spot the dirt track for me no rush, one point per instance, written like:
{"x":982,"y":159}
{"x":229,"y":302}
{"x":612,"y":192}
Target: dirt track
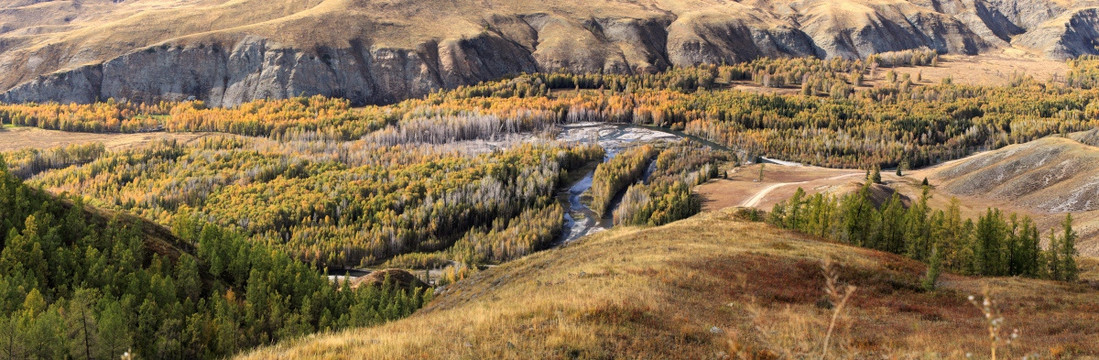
{"x":758,"y":197}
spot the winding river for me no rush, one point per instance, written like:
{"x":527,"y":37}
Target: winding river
{"x":580,"y":220}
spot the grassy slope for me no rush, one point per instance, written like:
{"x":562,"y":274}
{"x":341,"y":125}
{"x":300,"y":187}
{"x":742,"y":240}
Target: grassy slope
{"x":1042,"y":179}
{"x":659,"y":293}
{"x":14,"y":138}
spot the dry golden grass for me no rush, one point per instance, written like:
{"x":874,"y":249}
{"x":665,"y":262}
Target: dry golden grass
{"x":713,"y":286}
{"x":996,"y":68}
{"x":779,"y":183}
{"x":18,"y":138}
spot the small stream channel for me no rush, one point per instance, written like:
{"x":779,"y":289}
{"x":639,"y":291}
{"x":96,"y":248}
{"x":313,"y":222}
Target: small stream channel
{"x":580,"y":220}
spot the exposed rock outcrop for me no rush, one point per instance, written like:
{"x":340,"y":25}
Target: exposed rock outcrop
{"x":237,"y":66}
{"x":1066,"y":36}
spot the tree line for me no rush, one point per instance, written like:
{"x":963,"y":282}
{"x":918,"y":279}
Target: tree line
{"x":618,"y":173}
{"x":994,"y":245}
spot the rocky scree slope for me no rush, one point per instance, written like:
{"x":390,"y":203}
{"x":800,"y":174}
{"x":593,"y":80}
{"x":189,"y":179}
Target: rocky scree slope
{"x":229,"y":52}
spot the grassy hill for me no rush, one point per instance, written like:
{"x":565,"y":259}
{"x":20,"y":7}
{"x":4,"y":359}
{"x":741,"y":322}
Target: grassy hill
{"x":1043,"y":178}
{"x":713,"y":286}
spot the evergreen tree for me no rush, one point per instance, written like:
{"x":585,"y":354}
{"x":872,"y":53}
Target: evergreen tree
{"x":934,"y":268}
{"x":917,"y":229}
{"x":114,"y":332}
{"x":1069,"y":270}
{"x":12,"y":337}
{"x":893,"y":225}
{"x":989,"y":249}
{"x":83,"y":333}
{"x":1053,"y":257}
{"x":1024,"y":249}
{"x":876,"y":176}
{"x":794,"y":218}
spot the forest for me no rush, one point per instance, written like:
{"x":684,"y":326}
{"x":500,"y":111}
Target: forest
{"x":333,"y":204}
{"x":902,"y":119}
{"x":666,"y":195}
{"x":616,"y":174}
{"x":344,"y":187}
{"x":1084,"y":72}
{"x":80,"y":283}
{"x":461,"y":178}
{"x":996,"y":244}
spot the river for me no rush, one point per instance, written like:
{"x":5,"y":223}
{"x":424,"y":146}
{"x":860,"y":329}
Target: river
{"x":581,"y":221}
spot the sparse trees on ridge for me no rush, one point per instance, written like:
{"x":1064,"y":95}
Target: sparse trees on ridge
{"x":994,"y":245}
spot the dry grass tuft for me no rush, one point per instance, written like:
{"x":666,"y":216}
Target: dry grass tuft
{"x":838,"y":299}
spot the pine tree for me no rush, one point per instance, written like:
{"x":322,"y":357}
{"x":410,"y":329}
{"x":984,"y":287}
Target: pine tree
{"x":875,"y":177}
{"x":1053,"y":257}
{"x":114,"y":333}
{"x":988,"y":248}
{"x":1024,"y":253}
{"x":893,"y":225}
{"x":83,"y":334}
{"x":1069,"y":270}
{"x":934,"y":267}
{"x":12,"y":338}
{"x":794,"y":217}
{"x":917,"y":233}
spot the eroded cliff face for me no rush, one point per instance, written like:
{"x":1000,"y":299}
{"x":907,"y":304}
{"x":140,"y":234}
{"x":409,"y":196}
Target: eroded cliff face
{"x":228,"y":73}
{"x":1067,"y":36}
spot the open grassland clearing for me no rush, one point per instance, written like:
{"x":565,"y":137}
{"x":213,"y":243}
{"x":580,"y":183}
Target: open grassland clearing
{"x":19,"y":138}
{"x":997,"y":68}
{"x":743,"y":188}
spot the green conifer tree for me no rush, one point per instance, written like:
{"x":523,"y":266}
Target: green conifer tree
{"x":934,"y":268}
{"x":1069,"y":270}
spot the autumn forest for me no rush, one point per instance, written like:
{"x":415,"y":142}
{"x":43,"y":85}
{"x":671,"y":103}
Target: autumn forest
{"x":275,"y":194}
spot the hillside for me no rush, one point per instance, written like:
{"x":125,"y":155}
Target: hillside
{"x":713,"y":286}
{"x":1043,"y":178}
{"x":229,"y":52}
{"x":1052,"y":174}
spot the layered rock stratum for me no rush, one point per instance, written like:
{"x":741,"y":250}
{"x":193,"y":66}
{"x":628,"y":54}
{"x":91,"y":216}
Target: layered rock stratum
{"x":380,"y":51}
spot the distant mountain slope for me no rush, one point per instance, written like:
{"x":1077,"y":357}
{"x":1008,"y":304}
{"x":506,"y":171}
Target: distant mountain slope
{"x":229,"y":52}
{"x":1052,"y":174}
{"x":1043,"y":179}
{"x":710,"y":287}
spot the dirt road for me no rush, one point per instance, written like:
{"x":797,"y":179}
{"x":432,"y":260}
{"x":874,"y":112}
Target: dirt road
{"x":758,"y":197}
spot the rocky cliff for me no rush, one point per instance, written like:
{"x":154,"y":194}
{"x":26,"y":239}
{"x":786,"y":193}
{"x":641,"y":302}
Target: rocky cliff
{"x":229,"y":66}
